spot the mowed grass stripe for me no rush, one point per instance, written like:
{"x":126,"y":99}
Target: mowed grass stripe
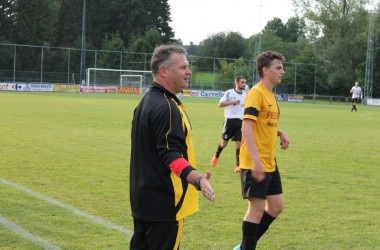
{"x":26,"y":234}
{"x":76,"y":211}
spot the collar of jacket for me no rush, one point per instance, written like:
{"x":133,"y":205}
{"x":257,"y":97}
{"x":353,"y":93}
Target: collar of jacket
{"x":158,"y":87}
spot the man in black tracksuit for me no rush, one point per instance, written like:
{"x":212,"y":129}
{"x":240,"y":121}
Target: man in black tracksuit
{"x":163,"y":179}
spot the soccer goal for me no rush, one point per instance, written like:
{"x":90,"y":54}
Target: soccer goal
{"x":131,"y":80}
{"x":116,"y":77}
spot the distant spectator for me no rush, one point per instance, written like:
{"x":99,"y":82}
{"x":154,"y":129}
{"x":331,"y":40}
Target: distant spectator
{"x":356,"y":93}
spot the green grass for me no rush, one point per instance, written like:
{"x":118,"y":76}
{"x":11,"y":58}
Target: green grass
{"x":74,"y":148}
{"x":204,"y":76}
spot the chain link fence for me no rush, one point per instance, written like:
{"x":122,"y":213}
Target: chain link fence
{"x":44,"y":64}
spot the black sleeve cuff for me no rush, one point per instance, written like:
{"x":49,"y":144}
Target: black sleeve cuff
{"x":185,"y":172}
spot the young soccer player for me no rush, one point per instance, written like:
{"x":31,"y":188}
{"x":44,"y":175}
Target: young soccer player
{"x":260,"y":177}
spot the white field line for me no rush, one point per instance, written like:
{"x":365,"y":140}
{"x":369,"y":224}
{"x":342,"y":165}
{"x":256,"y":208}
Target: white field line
{"x":27,"y":235}
{"x":93,"y":218}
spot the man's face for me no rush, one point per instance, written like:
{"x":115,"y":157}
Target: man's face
{"x":178,"y":72}
{"x":241,"y":84}
{"x":275,"y":72}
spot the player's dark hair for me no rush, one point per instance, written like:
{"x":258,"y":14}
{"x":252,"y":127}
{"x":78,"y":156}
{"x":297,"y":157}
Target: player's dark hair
{"x":266,"y":58}
{"x":162,"y":55}
{"x":238,"y":78}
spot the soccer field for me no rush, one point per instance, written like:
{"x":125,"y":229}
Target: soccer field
{"x":64,"y":175}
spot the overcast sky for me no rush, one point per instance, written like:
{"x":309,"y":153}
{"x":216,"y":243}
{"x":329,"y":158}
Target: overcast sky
{"x":195,"y":20}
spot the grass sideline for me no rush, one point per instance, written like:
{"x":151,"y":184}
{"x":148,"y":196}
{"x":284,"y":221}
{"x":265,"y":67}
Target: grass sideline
{"x":75,"y":148}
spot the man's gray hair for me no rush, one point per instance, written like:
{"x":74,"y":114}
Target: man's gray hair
{"x":162,"y":55}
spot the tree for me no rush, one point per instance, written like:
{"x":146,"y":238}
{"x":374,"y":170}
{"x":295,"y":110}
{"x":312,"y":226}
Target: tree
{"x":289,"y":32}
{"x":132,"y":18}
{"x":34,"y":21}
{"x":96,"y":22}
{"x":146,"y":43}
{"x":33,"y":24}
{"x":376,"y":56}
{"x":123,"y":18}
{"x":158,"y":17}
{"x":294,"y":29}
{"x":7,"y":20}
{"x":68,"y":28}
{"x":342,"y":43}
{"x":276,"y":26}
{"x":222,"y":45}
{"x":226,"y":72}
{"x":111,"y":58}
{"x":270,"y":41}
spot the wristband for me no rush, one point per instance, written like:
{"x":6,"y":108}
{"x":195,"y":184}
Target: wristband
{"x":197,"y":183}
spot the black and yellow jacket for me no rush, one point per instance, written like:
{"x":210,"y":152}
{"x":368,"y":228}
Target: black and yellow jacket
{"x":161,"y":134}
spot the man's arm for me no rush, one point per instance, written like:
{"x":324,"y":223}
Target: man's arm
{"x":182,"y":168}
{"x":224,"y":101}
{"x":167,"y":126}
{"x":204,"y":183}
{"x":228,"y":103}
{"x":250,"y":140}
{"x":284,"y":139}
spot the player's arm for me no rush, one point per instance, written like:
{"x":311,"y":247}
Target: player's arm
{"x":284,"y":139}
{"x":224,"y":101}
{"x":202,"y":183}
{"x":250,"y":140}
{"x":169,"y":134}
{"x":182,"y":168}
{"x":228,"y":103}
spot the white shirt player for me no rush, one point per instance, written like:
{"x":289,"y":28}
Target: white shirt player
{"x":236,"y":110}
{"x":246,"y":88}
{"x":356,"y":91}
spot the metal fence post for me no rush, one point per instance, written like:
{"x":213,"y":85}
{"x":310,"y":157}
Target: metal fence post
{"x":68,"y":66}
{"x":14,"y":63}
{"x":42,"y":64}
{"x":295,"y":77}
{"x":213,"y":74}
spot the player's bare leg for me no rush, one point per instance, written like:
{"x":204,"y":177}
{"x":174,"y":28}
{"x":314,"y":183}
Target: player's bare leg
{"x":273,"y":208}
{"x":251,"y":222}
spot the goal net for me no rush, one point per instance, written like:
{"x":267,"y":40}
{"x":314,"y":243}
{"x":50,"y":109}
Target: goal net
{"x":131,"y":80}
{"x":100,"y":77}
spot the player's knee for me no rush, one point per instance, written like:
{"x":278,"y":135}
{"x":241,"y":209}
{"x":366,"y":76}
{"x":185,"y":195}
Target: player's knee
{"x":277,"y":210}
{"x":255,"y":214}
{"x":280,"y":208}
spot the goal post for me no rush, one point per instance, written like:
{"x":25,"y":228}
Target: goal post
{"x":131,"y":80}
{"x":96,"y":77}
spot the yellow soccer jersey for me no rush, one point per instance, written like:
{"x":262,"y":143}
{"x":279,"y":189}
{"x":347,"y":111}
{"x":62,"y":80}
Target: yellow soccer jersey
{"x":261,"y":106}
{"x":188,"y":198}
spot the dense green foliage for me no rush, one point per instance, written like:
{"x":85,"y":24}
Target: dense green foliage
{"x":59,"y":22}
{"x":75,"y":148}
